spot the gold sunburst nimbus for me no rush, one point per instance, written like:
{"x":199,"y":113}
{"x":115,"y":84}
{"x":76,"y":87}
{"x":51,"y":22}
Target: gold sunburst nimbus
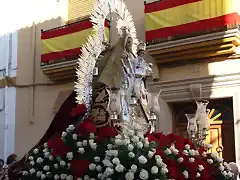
{"x":213,"y":116}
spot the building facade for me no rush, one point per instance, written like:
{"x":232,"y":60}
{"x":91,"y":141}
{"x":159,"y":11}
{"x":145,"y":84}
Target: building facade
{"x":194,"y":44}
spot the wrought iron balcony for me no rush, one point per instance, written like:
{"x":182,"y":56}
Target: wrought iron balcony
{"x":61,"y":46}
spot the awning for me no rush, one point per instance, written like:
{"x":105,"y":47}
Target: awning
{"x":66,"y":41}
{"x":169,"y":18}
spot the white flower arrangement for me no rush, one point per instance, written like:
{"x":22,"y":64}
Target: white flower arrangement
{"x":127,"y":157}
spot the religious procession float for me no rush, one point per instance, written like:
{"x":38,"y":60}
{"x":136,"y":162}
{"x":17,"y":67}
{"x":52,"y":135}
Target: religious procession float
{"x":114,"y":135}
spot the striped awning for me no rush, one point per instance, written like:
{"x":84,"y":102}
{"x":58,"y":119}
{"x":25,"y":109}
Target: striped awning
{"x":65,"y":42}
{"x":170,"y":18}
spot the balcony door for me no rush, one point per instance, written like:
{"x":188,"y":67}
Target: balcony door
{"x":221,"y":133}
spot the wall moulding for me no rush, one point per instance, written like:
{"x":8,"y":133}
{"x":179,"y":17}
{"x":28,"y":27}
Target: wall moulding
{"x":212,"y":87}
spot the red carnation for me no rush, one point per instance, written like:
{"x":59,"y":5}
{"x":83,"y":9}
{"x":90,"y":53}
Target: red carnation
{"x":79,"y":167}
{"x":106,"y":132}
{"x":57,"y":145}
{"x":79,"y":110}
{"x":86,"y":127}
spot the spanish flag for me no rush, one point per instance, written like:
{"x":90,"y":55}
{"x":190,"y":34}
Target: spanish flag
{"x":170,"y":18}
{"x":66,"y":41}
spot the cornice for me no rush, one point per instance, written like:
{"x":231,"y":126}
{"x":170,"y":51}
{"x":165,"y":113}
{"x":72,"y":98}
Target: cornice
{"x":197,"y":39}
{"x":180,"y":89}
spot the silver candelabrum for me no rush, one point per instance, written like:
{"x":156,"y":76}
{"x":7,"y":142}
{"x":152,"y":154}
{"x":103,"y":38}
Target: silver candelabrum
{"x":198,"y":124}
{"x":138,"y":121}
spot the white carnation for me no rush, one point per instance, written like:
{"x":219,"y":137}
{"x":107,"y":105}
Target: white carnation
{"x":24,"y":173}
{"x":46,"y":168}
{"x":32,"y":163}
{"x":106,"y":162}
{"x":93,"y":146}
{"x":133,"y":168}
{"x":69,"y":155}
{"x":140,"y":145}
{"x":198,"y":175}
{"x":79,"y":144}
{"x":69,"y":177}
{"x":39,"y":160}
{"x":191,"y":152}
{"x":119,"y":168}
{"x":116,"y":161}
{"x":143,"y":174}
{"x":109,"y":146}
{"x":39,"y":173}
{"x":86,"y":177}
{"x":131,"y":154}
{"x":56,"y":176}
{"x":63,"y":176}
{"x":180,"y":160}
{"x":191,"y":160}
{"x":71,"y":127}
{"x":35,"y":151}
{"x":168,"y":151}
{"x":75,"y":136}
{"x":142,"y":159}
{"x":97,"y":159}
{"x":204,"y":154}
{"x":55,"y":166}
{"x":91,"y":136}
{"x":92,"y":166}
{"x":130,"y":147}
{"x":129,"y":176}
{"x":200,"y":167}
{"x":31,"y":158}
{"x":150,"y":154}
{"x":119,"y":142}
{"x":154,"y":170}
{"x":164,"y":170}
{"x":32,"y":171}
{"x":62,"y":163}
{"x":135,"y":139}
{"x":210,"y":161}
{"x":99,"y":168}
{"x":187,"y":146}
{"x":84,"y":143}
{"x":81,"y":150}
{"x":185,"y":173}
{"x":221,"y":168}
{"x":43,"y":176}
{"x":91,"y":141}
{"x":158,"y":157}
{"x":50,"y":158}
{"x":64,"y":134}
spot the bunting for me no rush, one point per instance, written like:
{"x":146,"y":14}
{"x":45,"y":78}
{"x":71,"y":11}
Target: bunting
{"x":170,"y":18}
{"x":66,"y":41}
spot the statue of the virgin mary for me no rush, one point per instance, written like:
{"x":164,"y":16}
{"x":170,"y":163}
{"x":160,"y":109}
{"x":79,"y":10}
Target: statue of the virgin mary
{"x":116,"y":71}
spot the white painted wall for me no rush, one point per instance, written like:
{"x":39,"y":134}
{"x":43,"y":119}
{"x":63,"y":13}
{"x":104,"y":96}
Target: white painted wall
{"x":8,"y":66}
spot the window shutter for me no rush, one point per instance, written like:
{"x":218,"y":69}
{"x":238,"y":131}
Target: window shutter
{"x":79,"y":9}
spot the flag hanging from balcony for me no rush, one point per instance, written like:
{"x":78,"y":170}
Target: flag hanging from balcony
{"x":66,"y":41}
{"x":170,"y":18}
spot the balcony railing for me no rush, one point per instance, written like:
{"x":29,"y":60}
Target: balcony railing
{"x":61,"y":46}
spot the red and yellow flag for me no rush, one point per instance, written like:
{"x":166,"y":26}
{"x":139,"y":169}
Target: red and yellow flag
{"x":66,"y":41}
{"x":178,"y":17}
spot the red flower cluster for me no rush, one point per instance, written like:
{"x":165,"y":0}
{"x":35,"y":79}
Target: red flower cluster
{"x":174,"y":167}
{"x":79,"y":110}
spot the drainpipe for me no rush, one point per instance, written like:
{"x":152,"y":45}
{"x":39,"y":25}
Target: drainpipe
{"x":8,"y":60}
{"x":32,"y":104}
